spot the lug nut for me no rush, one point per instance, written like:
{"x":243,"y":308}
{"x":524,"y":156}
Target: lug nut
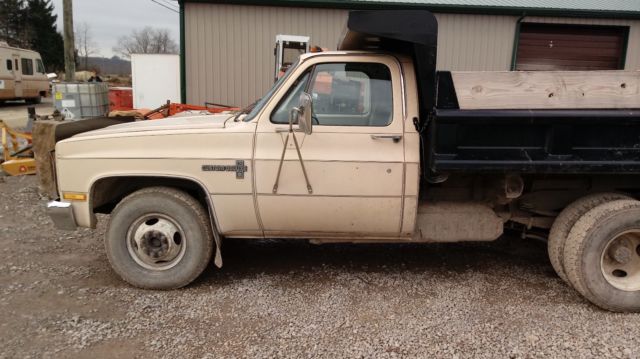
{"x":621,"y":254}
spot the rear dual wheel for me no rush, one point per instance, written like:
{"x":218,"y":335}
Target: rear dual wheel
{"x":565,"y":222}
{"x":602,"y":255}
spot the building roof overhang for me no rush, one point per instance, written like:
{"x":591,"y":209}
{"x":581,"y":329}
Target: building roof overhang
{"x":618,"y":9}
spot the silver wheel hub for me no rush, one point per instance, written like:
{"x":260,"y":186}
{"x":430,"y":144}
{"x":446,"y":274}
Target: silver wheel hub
{"x":156,"y":242}
{"x":620,"y":262}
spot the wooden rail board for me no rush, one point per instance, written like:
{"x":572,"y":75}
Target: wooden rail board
{"x":547,"y":90}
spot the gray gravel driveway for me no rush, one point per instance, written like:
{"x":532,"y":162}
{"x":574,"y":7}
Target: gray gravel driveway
{"x":59,"y":298}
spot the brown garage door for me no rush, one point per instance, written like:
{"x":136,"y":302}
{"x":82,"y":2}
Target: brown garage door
{"x":570,"y":47}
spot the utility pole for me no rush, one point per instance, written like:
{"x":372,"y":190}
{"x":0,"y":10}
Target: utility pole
{"x":69,"y":42}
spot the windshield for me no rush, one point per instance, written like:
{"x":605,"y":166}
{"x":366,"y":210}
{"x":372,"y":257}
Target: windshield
{"x":262,"y":101}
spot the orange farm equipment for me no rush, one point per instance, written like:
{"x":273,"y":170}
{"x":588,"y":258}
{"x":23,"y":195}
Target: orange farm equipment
{"x":170,"y":109}
{"x":16,"y":161}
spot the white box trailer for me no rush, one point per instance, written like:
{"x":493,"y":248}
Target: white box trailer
{"x":156,"y":79}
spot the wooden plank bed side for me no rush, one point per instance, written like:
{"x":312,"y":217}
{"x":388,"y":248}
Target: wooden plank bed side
{"x":547,"y":90}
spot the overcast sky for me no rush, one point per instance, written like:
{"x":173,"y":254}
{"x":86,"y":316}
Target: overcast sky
{"x":110,"y":19}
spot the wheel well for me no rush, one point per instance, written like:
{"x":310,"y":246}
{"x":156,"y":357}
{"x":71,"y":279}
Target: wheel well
{"x":106,"y":193}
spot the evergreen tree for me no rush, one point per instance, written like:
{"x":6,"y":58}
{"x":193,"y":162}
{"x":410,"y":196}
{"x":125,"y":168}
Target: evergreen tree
{"x":42,"y":33}
{"x":13,"y":23}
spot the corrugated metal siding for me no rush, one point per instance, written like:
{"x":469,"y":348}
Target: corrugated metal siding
{"x":229,"y":48}
{"x":475,"y":42}
{"x":633,"y":47}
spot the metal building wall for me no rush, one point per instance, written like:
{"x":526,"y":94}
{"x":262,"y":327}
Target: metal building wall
{"x":475,"y":42}
{"x":229,"y":48}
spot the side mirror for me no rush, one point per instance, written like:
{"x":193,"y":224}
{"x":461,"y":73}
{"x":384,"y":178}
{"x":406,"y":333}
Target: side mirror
{"x":305,"y":113}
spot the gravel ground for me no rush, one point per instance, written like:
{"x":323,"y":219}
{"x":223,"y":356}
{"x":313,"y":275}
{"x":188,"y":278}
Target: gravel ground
{"x":59,"y":298}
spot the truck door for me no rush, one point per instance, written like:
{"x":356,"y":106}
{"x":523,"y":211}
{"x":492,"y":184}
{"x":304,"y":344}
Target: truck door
{"x":354,"y":158}
{"x":17,"y":76}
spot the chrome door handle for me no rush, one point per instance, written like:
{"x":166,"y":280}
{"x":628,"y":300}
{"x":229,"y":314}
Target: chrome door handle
{"x":395,"y":138}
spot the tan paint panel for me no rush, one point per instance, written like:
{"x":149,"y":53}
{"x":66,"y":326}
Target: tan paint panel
{"x":80,"y":174}
{"x":8,"y":92}
{"x":331,"y":146}
{"x":332,"y":179}
{"x":236,"y":214}
{"x":412,"y":178}
{"x":412,"y":147}
{"x":333,"y":214}
{"x":83,"y":215}
{"x":409,"y":215}
{"x":411,"y":139}
{"x":170,"y":146}
{"x":411,"y":99}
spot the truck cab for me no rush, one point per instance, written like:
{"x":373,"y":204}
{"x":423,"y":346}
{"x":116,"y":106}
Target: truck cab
{"x":362,"y":157}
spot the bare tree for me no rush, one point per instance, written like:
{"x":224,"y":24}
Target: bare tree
{"x":84,"y":43}
{"x":146,"y":41}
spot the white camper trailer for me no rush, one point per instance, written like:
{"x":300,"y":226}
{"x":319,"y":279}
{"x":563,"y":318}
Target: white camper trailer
{"x":22,"y":75}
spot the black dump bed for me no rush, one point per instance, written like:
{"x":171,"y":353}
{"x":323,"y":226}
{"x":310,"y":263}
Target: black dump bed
{"x":530,"y":141}
{"x":523,"y":141}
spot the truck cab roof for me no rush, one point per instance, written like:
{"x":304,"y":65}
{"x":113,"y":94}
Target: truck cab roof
{"x":309,"y":55}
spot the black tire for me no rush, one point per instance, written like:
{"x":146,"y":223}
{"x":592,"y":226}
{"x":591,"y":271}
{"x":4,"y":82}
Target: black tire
{"x":584,"y":254}
{"x":176,"y":211}
{"x":566,"y":220}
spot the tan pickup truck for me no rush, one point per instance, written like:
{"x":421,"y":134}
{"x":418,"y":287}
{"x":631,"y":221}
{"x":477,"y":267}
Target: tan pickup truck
{"x":374,"y":146}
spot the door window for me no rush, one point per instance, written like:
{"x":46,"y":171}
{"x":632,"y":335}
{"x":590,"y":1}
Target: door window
{"x":9,"y":65}
{"x":344,"y":94}
{"x":352,"y":94}
{"x":281,"y":114}
{"x":27,"y":67}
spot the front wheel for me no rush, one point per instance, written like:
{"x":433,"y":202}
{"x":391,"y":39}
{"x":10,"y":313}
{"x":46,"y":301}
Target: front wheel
{"x":159,"y":238}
